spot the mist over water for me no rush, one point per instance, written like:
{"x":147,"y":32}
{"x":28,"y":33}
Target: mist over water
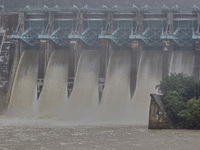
{"x":54,"y":93}
{"x":24,"y":90}
{"x":84,"y":99}
{"x":182,"y":61}
{"x":149,"y":75}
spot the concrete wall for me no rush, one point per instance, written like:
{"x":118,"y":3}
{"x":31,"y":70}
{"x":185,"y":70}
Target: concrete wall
{"x":7,"y":52}
{"x":197,"y":60}
{"x":157,"y":114}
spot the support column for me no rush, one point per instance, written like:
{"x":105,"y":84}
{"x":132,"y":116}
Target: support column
{"x":71,"y":65}
{"x":103,"y":59}
{"x":41,"y":72}
{"x":21,"y":29}
{"x":13,"y":71}
{"x":167,"y":48}
{"x":103,"y":66}
{"x":41,"y":68}
{"x":167,"y":45}
{"x":135,"y":57}
{"x":197,"y":59}
{"x":79,"y":46}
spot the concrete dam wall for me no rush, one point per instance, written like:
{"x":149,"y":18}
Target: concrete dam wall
{"x":91,"y":66}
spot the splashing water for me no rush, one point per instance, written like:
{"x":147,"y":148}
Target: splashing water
{"x":24,"y":91}
{"x":149,"y":75}
{"x":54,"y":92}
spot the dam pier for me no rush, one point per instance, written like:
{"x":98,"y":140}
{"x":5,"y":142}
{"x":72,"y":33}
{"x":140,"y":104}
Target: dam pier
{"x":90,"y":58}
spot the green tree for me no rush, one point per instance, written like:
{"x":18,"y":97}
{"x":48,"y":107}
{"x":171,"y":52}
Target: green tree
{"x":174,"y":104}
{"x":186,"y":86}
{"x":181,"y":99}
{"x":191,"y":114}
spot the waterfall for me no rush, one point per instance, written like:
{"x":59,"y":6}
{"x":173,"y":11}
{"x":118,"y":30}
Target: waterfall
{"x":116,"y":93}
{"x":24,"y":90}
{"x":84,"y":99}
{"x":149,"y":75}
{"x":182,"y":61}
{"x":54,"y":92}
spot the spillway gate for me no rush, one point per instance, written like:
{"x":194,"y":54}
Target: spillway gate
{"x":104,"y":30}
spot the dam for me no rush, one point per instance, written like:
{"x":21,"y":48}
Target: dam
{"x":93,"y":63}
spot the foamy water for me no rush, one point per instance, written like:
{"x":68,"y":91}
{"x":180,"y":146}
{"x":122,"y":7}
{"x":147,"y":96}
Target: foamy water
{"x":54,"y":93}
{"x":84,"y":99}
{"x":149,"y":75}
{"x":116,"y":93}
{"x":182,"y":61}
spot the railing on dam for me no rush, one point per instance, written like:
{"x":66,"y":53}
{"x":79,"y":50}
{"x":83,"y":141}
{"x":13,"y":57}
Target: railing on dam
{"x":119,"y":26}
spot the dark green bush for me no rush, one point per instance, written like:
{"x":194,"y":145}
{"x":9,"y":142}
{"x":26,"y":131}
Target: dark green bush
{"x":181,"y":99}
{"x":191,"y":114}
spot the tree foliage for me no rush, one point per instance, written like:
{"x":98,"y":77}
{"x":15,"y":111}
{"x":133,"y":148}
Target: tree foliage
{"x":181,"y":99}
{"x":191,"y":114}
{"x":174,"y":104}
{"x":186,"y":86}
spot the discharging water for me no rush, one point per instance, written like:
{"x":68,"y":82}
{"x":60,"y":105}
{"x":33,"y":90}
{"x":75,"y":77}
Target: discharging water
{"x":24,"y":90}
{"x":149,"y":75}
{"x":182,"y":61}
{"x":116,"y":93}
{"x":54,"y":92}
{"x":84,"y":99}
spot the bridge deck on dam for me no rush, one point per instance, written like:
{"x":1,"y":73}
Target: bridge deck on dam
{"x":91,"y":26}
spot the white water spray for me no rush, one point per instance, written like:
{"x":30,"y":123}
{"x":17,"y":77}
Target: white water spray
{"x":149,"y":75}
{"x":54,"y":92}
{"x":84,"y":99}
{"x":116,"y":93}
{"x":182,"y":62}
{"x":24,"y":90}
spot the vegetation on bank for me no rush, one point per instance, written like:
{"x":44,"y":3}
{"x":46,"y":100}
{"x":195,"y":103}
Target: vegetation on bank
{"x":181,"y":99}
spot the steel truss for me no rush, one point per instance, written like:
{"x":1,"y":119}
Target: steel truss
{"x":121,"y":33}
{"x":183,"y":37}
{"x":63,"y":29}
{"x":183,"y":34}
{"x":90,"y":36}
{"x":121,"y":37}
{"x":151,"y":36}
{"x":32,"y":30}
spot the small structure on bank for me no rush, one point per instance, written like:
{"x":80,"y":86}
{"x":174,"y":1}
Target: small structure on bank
{"x":157,"y":115}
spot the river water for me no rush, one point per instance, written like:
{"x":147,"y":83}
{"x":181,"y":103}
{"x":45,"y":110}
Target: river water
{"x":54,"y":134}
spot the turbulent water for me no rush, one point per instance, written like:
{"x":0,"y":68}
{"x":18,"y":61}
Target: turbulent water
{"x":54,"y":92}
{"x":17,"y":133}
{"x":182,"y":61}
{"x":116,"y":93}
{"x":149,"y":75}
{"x":24,"y":91}
{"x":84,"y":99}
